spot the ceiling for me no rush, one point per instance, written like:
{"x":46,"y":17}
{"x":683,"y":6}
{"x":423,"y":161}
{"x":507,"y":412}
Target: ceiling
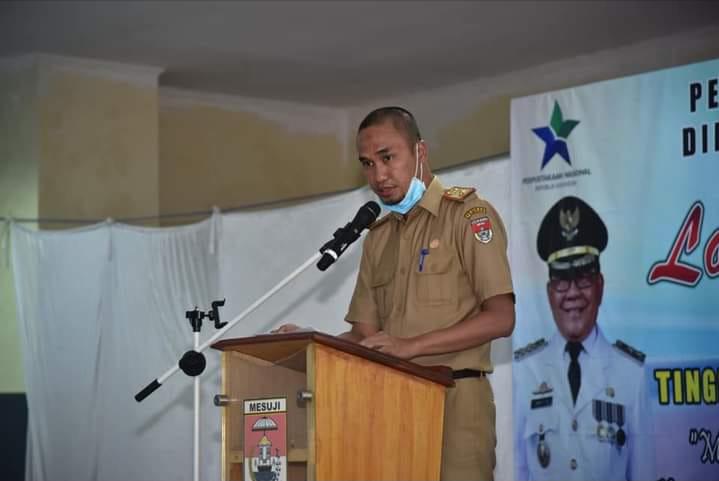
{"x":337,"y":53}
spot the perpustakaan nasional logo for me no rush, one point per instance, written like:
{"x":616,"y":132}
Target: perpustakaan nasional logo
{"x":555,"y":137}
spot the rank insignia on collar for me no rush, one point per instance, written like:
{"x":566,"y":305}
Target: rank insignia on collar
{"x":543,"y":388}
{"x":458,"y":193}
{"x":530,"y":348}
{"x":635,"y":354}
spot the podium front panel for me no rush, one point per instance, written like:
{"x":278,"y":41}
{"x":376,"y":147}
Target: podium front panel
{"x":246,"y":378}
{"x":374,"y":423}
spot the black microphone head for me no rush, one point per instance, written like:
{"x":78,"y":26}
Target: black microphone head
{"x":346,"y":235}
{"x":374,"y":207}
{"x":366,"y":215}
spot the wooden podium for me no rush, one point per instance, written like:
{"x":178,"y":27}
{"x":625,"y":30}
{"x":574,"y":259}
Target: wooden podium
{"x":352,"y":412}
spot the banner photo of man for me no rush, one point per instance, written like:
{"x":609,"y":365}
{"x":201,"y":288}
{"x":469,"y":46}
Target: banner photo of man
{"x":615,"y":256}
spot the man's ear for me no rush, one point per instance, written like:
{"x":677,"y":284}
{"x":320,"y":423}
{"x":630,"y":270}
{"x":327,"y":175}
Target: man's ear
{"x":422,"y":151}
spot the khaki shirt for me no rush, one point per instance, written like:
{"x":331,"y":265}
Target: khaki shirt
{"x":432,"y":268}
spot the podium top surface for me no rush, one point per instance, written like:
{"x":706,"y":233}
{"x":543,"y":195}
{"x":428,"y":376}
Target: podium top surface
{"x":276,"y":347}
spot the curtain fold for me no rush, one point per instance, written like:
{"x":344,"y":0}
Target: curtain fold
{"x":59,"y":278}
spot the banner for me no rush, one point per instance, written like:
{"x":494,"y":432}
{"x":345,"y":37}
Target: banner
{"x":265,"y":439}
{"x":615,"y":255}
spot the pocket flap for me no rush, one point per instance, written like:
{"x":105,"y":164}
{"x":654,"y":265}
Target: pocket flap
{"x":436,"y":262}
{"x":541,"y":421}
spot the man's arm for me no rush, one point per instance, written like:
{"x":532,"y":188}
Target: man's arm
{"x":495,"y":320}
{"x":359,"y":332}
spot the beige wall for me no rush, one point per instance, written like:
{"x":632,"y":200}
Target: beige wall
{"x":18,"y":198}
{"x":230,"y":152}
{"x":98,"y":147}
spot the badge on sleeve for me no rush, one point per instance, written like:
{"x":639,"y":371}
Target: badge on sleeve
{"x":475,"y":211}
{"x":482,"y":229}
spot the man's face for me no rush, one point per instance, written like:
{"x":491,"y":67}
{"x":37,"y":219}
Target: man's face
{"x":575,"y":310}
{"x":387,"y":160}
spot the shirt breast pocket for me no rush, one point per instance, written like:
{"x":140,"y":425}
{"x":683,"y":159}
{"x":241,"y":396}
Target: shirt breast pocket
{"x":541,"y":439}
{"x":435,"y":278}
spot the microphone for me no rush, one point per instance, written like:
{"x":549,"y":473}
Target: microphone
{"x":346,"y":235}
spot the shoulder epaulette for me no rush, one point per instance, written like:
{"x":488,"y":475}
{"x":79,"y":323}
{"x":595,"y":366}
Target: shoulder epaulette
{"x":458,"y":194}
{"x":380,"y":221}
{"x":530,"y":348}
{"x":627,"y":349}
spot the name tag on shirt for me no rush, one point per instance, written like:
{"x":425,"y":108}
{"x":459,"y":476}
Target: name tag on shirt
{"x":542,"y":402}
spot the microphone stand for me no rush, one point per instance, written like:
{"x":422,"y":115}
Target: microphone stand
{"x":193,"y":362}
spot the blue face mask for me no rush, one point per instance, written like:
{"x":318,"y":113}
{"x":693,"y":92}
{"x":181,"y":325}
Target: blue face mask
{"x":414,"y":193}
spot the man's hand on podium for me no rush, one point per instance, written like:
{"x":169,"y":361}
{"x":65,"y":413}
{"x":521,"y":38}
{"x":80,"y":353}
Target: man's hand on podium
{"x":290,"y":328}
{"x":397,"y":346}
{"x":286,"y":328}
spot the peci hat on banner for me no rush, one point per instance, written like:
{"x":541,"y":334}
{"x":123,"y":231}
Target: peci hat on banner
{"x":571,"y":237}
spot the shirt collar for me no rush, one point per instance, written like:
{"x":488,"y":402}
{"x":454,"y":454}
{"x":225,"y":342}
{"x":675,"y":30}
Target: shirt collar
{"x":588,"y":344}
{"x":432,"y":197}
{"x":430,"y":200}
{"x":591,"y":341}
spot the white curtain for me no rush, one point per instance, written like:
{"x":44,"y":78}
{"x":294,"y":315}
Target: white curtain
{"x":102,"y":313}
{"x":59,"y":279}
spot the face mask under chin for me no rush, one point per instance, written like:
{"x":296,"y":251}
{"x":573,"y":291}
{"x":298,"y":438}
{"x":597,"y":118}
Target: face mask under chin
{"x":414,"y":192}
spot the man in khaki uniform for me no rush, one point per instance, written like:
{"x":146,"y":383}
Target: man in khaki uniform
{"x":434,"y":283}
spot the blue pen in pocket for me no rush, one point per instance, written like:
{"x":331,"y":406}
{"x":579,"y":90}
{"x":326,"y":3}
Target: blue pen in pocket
{"x":422,"y":254}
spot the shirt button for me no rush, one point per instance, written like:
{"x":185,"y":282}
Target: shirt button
{"x":575,"y":425}
{"x":573,"y":464}
{"x":541,"y":428}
